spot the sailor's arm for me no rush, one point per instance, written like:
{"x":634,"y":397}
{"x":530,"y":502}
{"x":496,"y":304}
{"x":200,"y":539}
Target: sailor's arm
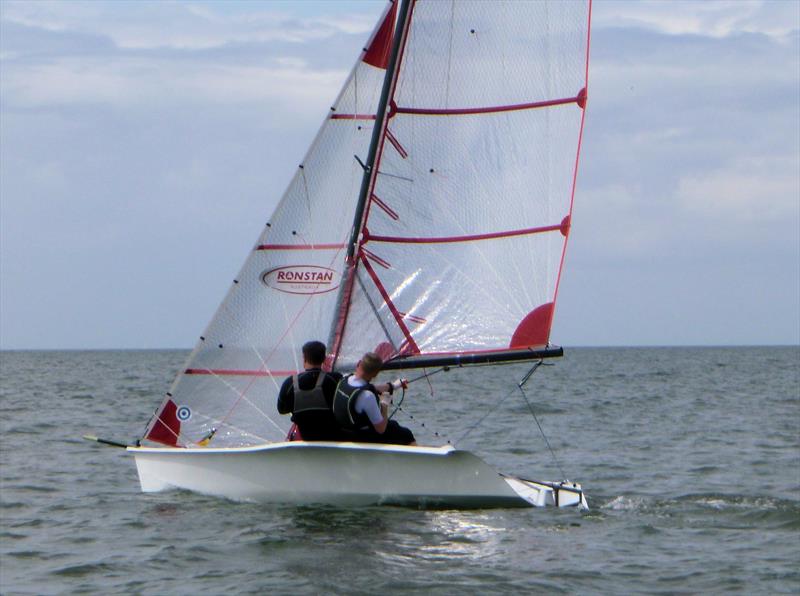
{"x":368,"y":403}
{"x":286,"y":397}
{"x":381,"y":426}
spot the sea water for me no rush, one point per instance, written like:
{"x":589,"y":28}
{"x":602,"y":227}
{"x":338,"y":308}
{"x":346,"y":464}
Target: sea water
{"x":690,"y":458}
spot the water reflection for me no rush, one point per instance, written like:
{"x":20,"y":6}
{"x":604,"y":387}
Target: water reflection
{"x":439,"y":535}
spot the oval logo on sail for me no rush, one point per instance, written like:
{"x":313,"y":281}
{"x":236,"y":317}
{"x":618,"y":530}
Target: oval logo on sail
{"x":301,"y":279}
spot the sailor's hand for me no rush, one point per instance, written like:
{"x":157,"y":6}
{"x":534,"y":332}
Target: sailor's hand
{"x":385,"y":399}
{"x":400,"y":383}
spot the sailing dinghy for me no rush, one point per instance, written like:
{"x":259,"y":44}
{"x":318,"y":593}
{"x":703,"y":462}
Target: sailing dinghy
{"x":428,"y":223}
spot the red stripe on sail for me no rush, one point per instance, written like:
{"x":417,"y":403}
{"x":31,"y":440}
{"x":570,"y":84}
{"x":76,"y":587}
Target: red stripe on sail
{"x":226,"y":372}
{"x":352,"y":116}
{"x":413,"y":318}
{"x":382,"y":262}
{"x":299,"y":246}
{"x":389,"y":211}
{"x":167,"y":427}
{"x":392,"y":308}
{"x":470,"y":352}
{"x":442,"y":239}
{"x":396,"y":144}
{"x":380,"y":46}
{"x":580,"y":98}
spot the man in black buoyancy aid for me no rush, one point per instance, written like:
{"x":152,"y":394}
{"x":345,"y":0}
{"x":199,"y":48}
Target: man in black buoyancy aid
{"x":359,"y":411}
{"x":308,"y":396}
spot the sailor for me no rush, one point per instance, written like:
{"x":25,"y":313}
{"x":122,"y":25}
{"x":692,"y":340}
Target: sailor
{"x":309,"y":398}
{"x":360,"y":412}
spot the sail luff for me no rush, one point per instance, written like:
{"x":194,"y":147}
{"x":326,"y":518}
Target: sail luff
{"x":378,"y":131}
{"x":368,"y":180}
{"x":584,"y":97}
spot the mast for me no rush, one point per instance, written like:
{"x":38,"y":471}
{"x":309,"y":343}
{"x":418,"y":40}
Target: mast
{"x":390,"y":77}
{"x":377,"y":131}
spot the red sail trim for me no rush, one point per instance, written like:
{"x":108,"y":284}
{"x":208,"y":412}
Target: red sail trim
{"x":352,"y":116}
{"x":582,"y":96}
{"x":379,"y":47}
{"x":396,"y":144}
{"x":443,"y":239}
{"x":389,"y":211}
{"x":299,"y":246}
{"x":413,"y":318}
{"x":338,"y":335}
{"x":167,"y":428}
{"x":392,"y":308}
{"x":382,"y":262}
{"x":226,"y":372}
{"x":492,"y":109}
{"x":584,"y":93}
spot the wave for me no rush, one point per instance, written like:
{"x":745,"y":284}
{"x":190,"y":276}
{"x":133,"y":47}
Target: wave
{"x":715,"y":508}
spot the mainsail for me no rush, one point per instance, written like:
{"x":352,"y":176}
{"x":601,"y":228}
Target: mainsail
{"x":429,"y":219}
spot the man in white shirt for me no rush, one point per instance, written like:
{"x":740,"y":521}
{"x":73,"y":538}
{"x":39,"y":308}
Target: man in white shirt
{"x":358,"y":409}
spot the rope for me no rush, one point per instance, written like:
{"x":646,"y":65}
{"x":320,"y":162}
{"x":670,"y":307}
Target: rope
{"x":398,"y":407}
{"x":484,"y":417}
{"x":524,"y":380}
{"x":555,"y":459}
{"x":519,"y":386}
{"x":422,"y":424}
{"x":427,"y":375}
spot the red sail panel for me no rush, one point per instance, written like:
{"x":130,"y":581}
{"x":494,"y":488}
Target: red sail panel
{"x":534,"y":330}
{"x":380,"y":46}
{"x":166,"y":428}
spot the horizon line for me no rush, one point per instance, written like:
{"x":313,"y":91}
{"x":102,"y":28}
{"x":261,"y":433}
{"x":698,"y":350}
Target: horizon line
{"x":566,"y":347}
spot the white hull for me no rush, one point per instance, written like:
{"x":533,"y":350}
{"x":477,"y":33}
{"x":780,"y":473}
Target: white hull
{"x":345,"y":474}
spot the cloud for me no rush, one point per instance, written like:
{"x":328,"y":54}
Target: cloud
{"x":178,"y":25}
{"x":132,"y":81}
{"x":691,"y":152}
{"x":752,"y":189}
{"x":149,"y":141}
{"x":714,"y":19}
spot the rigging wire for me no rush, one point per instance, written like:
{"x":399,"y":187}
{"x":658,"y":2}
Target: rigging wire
{"x":530,"y":407}
{"x":519,"y":386}
{"x":484,"y":417}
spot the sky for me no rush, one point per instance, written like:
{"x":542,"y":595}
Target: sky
{"x":144,"y":144}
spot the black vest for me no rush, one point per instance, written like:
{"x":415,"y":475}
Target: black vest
{"x":344,"y":404}
{"x":309,"y":400}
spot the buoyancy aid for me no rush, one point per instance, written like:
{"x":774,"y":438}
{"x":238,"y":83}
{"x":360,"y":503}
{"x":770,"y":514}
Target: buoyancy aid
{"x":344,"y":404}
{"x":309,"y":400}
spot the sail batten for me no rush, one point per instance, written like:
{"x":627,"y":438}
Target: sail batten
{"x":240,"y":373}
{"x":300,"y":246}
{"x":469,"y":238}
{"x":581,"y":97}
